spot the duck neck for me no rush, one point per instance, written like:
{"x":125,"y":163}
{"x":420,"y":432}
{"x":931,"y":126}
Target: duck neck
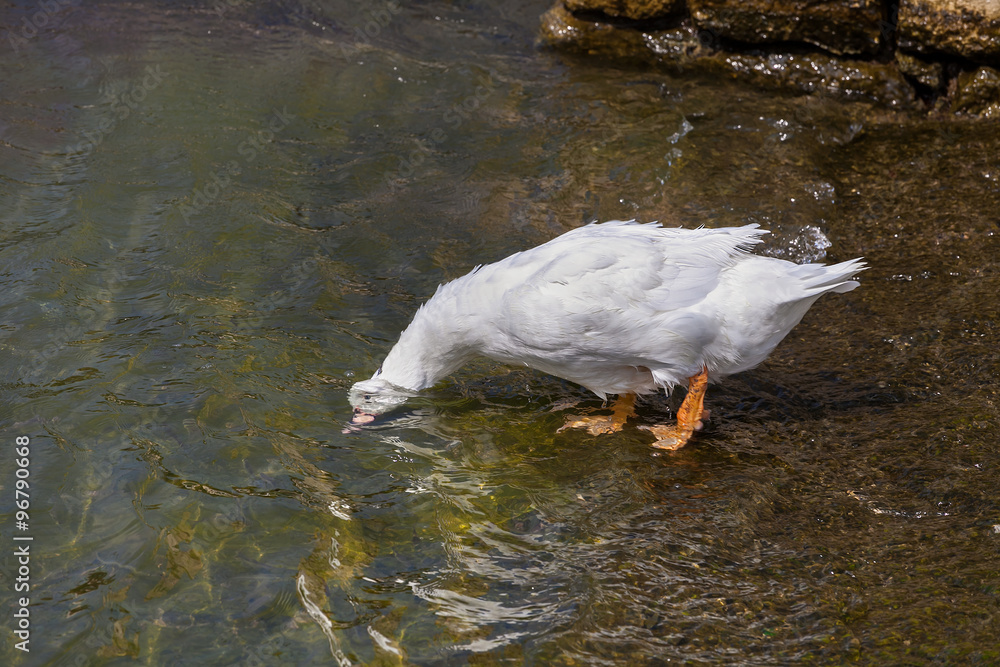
{"x":438,"y":341}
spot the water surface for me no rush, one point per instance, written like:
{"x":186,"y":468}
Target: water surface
{"x":216,"y":217}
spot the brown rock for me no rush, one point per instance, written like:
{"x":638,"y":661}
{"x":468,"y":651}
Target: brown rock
{"x":819,"y":72}
{"x":565,"y":31}
{"x":929,"y":74}
{"x":839,"y":26}
{"x":967,"y":28}
{"x":629,"y":9}
{"x":978,"y":93}
{"x":684,"y":47}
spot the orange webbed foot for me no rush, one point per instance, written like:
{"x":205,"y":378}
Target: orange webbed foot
{"x":690,"y":416}
{"x":623,"y":409}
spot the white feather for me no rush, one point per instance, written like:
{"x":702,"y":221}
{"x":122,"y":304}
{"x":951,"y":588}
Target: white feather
{"x":616,"y":307}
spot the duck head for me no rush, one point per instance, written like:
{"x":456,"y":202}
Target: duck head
{"x":374,"y":397}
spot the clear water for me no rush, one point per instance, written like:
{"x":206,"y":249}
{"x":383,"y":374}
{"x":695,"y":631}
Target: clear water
{"x":215,"y":217}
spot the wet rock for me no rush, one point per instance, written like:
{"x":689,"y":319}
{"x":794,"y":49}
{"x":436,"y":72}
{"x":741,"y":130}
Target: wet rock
{"x":768,"y":42}
{"x":978,"y":93}
{"x":679,"y":46}
{"x":563,"y":30}
{"x":629,"y":9}
{"x":928,"y":74}
{"x":843,"y":27}
{"x":566,"y":31}
{"x":686,"y":47}
{"x":966,"y":28}
{"x":818,"y":72}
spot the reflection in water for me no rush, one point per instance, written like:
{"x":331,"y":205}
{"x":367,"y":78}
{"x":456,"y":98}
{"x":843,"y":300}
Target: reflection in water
{"x":190,"y":285}
{"x":315,"y":610}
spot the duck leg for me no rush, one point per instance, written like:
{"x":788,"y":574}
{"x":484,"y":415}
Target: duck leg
{"x":624,"y":408}
{"x":689,"y":416}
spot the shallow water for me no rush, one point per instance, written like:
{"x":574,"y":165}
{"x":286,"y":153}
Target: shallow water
{"x":216,"y":217}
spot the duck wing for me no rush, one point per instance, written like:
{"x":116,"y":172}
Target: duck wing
{"x":618,"y":292}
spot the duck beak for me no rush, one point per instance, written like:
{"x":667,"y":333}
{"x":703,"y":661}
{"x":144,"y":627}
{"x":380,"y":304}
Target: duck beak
{"x":362,"y":417}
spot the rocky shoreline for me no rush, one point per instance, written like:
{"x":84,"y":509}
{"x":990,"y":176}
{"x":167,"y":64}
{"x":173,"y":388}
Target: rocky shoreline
{"x":934,"y":55}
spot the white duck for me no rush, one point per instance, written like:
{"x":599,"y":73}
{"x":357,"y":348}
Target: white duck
{"x":619,"y":307}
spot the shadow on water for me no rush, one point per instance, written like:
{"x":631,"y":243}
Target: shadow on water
{"x":216,"y":217}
